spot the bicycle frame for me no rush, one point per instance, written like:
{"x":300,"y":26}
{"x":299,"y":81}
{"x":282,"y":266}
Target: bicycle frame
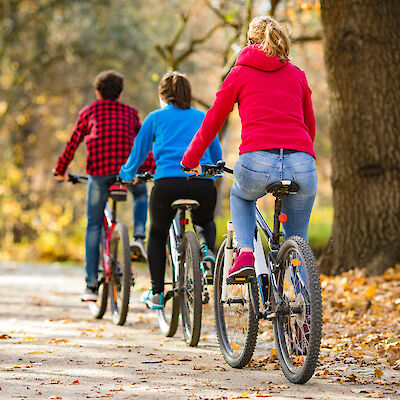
{"x":175,"y":232}
{"x":265,"y":272}
{"x":109,"y":223}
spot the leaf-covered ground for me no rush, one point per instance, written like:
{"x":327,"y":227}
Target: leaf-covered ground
{"x":51,"y":348}
{"x":361,"y":330}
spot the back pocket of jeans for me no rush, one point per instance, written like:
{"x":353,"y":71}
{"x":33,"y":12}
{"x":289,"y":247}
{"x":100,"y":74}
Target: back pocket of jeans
{"x":307,"y":181}
{"x":251,"y":181}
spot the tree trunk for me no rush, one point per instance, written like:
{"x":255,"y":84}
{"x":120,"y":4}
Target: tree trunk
{"x":362,"y":42}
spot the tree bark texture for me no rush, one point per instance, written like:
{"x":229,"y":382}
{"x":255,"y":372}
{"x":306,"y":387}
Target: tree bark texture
{"x":362,"y":56}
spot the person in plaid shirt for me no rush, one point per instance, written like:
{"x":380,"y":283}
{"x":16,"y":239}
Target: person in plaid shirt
{"x":109,"y":128}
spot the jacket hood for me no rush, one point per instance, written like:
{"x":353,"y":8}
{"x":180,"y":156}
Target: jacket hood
{"x":253,"y":56}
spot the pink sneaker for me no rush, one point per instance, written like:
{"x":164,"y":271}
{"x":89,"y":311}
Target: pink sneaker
{"x":243,"y":265}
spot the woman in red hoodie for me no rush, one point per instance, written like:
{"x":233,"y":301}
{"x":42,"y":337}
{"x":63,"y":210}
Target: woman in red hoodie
{"x":278,"y":130}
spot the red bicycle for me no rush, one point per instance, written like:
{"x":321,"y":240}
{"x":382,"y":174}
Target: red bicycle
{"x":115,"y":275}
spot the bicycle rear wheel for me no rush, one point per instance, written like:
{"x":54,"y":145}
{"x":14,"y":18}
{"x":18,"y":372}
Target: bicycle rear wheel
{"x":191,"y":295}
{"x":99,"y":307}
{"x":298,"y":333}
{"x":168,"y":317}
{"x":236,"y":323}
{"x":121,"y":276}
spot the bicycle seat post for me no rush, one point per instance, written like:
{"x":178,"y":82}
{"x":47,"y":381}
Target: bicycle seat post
{"x":277,"y":225}
{"x":114,"y":211}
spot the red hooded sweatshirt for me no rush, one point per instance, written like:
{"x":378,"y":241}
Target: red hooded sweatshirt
{"x":274,"y":103}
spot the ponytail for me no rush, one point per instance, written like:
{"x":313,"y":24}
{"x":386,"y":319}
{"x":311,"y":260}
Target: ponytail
{"x":176,"y":89}
{"x":271,"y":36}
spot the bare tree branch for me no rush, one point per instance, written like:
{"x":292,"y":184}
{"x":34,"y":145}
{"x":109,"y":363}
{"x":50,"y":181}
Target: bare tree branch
{"x":274,"y":4}
{"x":201,"y":102}
{"x":302,"y":39}
{"x":221,"y":15}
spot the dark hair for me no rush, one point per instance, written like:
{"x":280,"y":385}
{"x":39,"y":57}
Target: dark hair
{"x":110,"y":84}
{"x":176,"y":89}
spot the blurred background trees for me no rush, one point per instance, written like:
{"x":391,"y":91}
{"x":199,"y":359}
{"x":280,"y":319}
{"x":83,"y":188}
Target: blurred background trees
{"x":50,"y":52}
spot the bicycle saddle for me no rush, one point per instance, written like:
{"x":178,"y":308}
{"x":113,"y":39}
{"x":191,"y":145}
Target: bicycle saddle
{"x":282,"y":188}
{"x":185,"y":203}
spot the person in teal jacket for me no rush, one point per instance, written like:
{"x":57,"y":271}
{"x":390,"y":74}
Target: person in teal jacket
{"x":168,"y":131}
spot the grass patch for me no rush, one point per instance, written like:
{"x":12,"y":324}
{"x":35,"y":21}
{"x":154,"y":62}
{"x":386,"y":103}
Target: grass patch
{"x":318,"y":232}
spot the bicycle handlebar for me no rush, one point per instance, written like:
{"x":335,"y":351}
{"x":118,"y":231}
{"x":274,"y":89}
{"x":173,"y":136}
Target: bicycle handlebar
{"x":74,"y":179}
{"x":210,"y":170}
{"x":145,"y":177}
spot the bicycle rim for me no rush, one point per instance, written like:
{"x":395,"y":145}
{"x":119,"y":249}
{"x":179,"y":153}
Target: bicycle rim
{"x":191,"y":295}
{"x":236,"y":323}
{"x":168,"y":317}
{"x":121,"y":277}
{"x":99,"y":307}
{"x":298,"y":333}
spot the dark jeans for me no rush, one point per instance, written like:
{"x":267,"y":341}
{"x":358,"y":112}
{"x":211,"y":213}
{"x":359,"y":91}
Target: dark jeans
{"x":165,"y":192}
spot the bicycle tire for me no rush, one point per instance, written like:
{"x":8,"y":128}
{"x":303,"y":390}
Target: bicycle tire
{"x":121,"y":275}
{"x":298,"y":336}
{"x":237,"y":350}
{"x":191,"y":285}
{"x":168,"y":317}
{"x":99,"y":307}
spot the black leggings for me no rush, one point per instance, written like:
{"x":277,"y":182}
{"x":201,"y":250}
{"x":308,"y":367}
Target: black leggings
{"x":165,"y":192}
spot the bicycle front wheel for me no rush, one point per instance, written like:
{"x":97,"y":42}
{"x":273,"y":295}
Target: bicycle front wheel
{"x":191,"y":295}
{"x":168,"y":317}
{"x":99,"y":307}
{"x":236,"y":322}
{"x":121,"y":276}
{"x":297,"y":332}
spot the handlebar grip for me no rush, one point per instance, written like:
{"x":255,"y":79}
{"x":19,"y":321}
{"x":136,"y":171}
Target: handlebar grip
{"x":184,"y":168}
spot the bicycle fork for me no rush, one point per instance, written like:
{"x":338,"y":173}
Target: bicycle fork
{"x":228,"y":255}
{"x":267,"y":284}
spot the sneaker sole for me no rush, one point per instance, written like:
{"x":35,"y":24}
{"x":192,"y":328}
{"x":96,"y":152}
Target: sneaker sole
{"x":137,"y":254}
{"x":244,"y":272}
{"x":153,"y":306}
{"x":89,"y":299}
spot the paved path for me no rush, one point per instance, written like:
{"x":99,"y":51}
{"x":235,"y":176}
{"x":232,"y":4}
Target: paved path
{"x":51,"y":348}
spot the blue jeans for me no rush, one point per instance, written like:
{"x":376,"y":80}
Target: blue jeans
{"x":253,"y":172}
{"x":97,"y":194}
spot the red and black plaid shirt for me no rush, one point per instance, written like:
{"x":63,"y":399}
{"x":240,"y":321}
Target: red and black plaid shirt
{"x":109,"y":129}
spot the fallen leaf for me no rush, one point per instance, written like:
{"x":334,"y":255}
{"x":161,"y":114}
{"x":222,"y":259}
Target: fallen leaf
{"x":378,"y":373}
{"x":235,"y":346}
{"x":370,"y":292}
{"x":4,"y":336}
{"x":57,"y":341}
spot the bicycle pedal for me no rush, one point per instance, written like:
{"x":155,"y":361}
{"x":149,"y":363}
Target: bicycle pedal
{"x":205,"y":299}
{"x":237,"y":280}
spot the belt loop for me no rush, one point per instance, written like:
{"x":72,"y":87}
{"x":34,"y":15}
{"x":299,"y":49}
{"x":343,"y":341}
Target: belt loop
{"x":281,"y":153}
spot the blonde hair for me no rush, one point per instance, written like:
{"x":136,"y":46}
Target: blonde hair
{"x":272,"y":37}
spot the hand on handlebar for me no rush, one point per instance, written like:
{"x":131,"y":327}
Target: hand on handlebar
{"x":58,"y":177}
{"x":196,"y":171}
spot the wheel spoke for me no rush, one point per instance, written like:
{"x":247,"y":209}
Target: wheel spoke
{"x":298,"y":355}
